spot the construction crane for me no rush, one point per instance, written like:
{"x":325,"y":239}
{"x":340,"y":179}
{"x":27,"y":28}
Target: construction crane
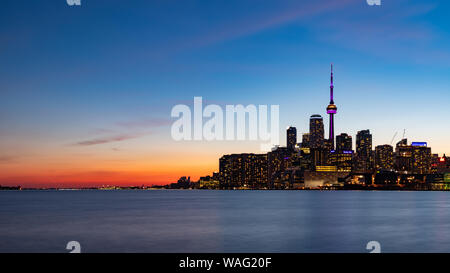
{"x":392,"y":141}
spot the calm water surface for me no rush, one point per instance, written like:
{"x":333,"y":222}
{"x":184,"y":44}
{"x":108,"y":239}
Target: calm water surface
{"x":224,"y":221}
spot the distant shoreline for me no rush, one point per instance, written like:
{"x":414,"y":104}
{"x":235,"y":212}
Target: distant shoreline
{"x":163,"y":189}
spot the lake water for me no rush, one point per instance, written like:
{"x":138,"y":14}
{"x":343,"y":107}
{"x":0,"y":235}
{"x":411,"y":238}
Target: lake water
{"x":224,"y":221}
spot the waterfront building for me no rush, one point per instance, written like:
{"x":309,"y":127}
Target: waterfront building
{"x":384,"y":157}
{"x":343,"y":160}
{"x":421,"y":158}
{"x":243,"y":171}
{"x":278,"y":160}
{"x":208,"y":182}
{"x":413,"y":159}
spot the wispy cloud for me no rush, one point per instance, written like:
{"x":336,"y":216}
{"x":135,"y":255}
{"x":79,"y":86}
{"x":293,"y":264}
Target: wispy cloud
{"x":393,"y":34}
{"x":7,"y":159}
{"x":137,"y":127}
{"x":145,"y":123}
{"x":104,"y":140}
{"x":250,"y":27}
{"x":258,"y":22}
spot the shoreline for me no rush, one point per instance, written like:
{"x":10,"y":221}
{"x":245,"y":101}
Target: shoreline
{"x":370,"y":189}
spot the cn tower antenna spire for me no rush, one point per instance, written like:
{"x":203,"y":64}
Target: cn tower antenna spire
{"x":331,"y":110}
{"x":331,"y":87}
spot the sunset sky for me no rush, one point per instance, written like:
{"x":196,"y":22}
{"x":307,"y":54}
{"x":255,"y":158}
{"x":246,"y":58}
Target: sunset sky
{"x":86,"y":91}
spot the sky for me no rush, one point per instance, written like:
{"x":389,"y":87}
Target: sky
{"x":86,"y":91}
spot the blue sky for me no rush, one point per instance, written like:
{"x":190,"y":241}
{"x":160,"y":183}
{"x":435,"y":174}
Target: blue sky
{"x":116,"y":68}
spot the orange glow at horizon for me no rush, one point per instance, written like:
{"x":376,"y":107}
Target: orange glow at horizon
{"x":136,"y":163}
{"x":159,"y":175}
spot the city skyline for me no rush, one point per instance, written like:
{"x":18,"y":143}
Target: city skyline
{"x":379,"y":157}
{"x":90,"y":104}
{"x":316,"y":163}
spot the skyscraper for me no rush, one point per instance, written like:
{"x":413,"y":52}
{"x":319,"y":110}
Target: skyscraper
{"x":306,"y":140}
{"x":331,"y":110}
{"x":316,"y":131}
{"x":384,"y":157}
{"x":342,"y":157}
{"x":415,"y":158}
{"x":364,"y":154}
{"x":422,"y":158}
{"x":343,"y":160}
{"x":291,"y":138}
{"x":243,"y":170}
{"x":364,"y":143}
{"x":343,"y":143}
{"x":278,"y":161}
{"x":403,"y":156}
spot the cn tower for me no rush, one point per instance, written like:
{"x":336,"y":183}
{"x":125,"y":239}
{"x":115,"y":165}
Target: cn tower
{"x":331,"y":110}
